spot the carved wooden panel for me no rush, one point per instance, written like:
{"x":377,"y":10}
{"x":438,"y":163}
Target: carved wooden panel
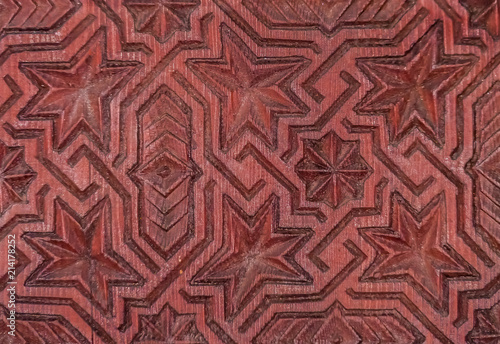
{"x":250,"y":171}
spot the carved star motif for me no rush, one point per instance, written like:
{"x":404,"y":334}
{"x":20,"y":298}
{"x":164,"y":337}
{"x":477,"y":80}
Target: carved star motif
{"x":410,"y":90}
{"x":333,"y":170}
{"x":259,"y":252}
{"x":79,"y":254}
{"x":254,"y":91}
{"x":15,"y":176}
{"x":168,"y":326}
{"x":76,"y":94}
{"x":412,"y":246}
{"x":161,"y":18}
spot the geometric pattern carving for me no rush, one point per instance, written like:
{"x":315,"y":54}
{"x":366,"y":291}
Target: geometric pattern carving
{"x":22,"y":16}
{"x":259,"y":253}
{"x":333,"y":170}
{"x":410,"y":90}
{"x":254,"y":92}
{"x":412,"y":248}
{"x":485,"y":168}
{"x":165,"y":172}
{"x":79,"y":254}
{"x":76,"y":94}
{"x":250,"y":171}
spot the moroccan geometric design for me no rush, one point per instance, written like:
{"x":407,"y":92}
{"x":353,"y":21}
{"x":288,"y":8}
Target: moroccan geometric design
{"x":254,"y":91}
{"x":410,"y":90}
{"x":250,"y":171}
{"x":79,"y":254}
{"x":411,"y":248}
{"x":333,"y":170}
{"x":262,"y":253}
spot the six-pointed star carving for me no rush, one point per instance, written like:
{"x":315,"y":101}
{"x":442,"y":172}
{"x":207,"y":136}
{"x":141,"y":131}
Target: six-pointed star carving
{"x":168,"y":326}
{"x":15,"y":176}
{"x":76,"y":94}
{"x":161,"y":18}
{"x":79,"y":254}
{"x":258,"y":254}
{"x":333,"y":170}
{"x":412,"y":246}
{"x":410,"y":90}
{"x":254,"y":91}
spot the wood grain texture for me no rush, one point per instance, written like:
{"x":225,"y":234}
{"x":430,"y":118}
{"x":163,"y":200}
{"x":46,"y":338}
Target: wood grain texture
{"x":251,"y":171}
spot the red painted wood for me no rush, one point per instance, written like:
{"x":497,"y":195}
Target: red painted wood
{"x":250,"y":171}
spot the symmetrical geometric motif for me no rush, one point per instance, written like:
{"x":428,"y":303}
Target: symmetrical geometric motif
{"x":259,"y":253}
{"x":166,"y":172}
{"x":411,"y":248}
{"x":79,"y":254}
{"x":333,"y":170}
{"x":250,"y":171}
{"x":76,"y":94}
{"x":254,"y":92}
{"x":410,"y":90}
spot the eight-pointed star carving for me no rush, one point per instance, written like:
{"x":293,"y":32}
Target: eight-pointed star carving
{"x":412,"y":246}
{"x":254,"y":91}
{"x":333,"y":170}
{"x":76,"y":94}
{"x":79,"y":254}
{"x":257,"y":252}
{"x":410,"y":90}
